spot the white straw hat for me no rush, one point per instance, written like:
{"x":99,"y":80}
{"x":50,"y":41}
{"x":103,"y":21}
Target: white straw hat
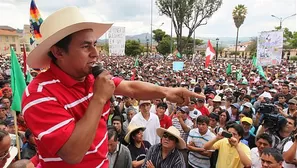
{"x":132,"y":128}
{"x":57,"y":26}
{"x":174,"y":132}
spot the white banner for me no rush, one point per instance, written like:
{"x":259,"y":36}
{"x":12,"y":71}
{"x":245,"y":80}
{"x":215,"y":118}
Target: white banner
{"x":117,"y":39}
{"x":269,"y":48}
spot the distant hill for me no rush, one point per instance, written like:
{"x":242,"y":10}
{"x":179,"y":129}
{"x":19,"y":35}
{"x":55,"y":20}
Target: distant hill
{"x":224,"y":41}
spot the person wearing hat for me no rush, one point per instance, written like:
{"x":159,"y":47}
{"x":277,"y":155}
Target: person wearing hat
{"x":166,"y":154}
{"x":149,"y":120}
{"x":137,"y":146}
{"x":76,"y":101}
{"x":248,"y":138}
{"x":234,"y":112}
{"x":292,"y":108}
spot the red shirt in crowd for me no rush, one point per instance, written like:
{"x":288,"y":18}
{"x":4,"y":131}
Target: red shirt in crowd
{"x":165,"y":122}
{"x":203,"y":110}
{"x":52,"y":104}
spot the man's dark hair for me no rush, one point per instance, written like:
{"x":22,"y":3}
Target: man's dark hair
{"x":164,"y":105}
{"x":134,"y":133}
{"x":274,"y":153}
{"x":294,"y":87}
{"x":247,"y":97}
{"x":214,"y":116}
{"x":63,"y":44}
{"x":285,"y":85}
{"x":28,"y":133}
{"x":238,"y":128}
{"x":266,"y":137}
{"x":281,"y":95}
{"x":3,"y":134}
{"x":197,"y":89}
{"x":112,"y":133}
{"x":203,"y":119}
{"x":292,"y":118}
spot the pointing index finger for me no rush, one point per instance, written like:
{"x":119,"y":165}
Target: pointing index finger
{"x":193,"y":94}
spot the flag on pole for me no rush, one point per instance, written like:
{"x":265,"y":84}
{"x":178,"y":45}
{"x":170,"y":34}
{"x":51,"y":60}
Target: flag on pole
{"x":177,"y":54}
{"x":24,"y":59}
{"x":254,"y":61}
{"x":261,"y":72}
{"x":35,"y":22}
{"x":18,"y":83}
{"x":136,"y":64}
{"x":210,"y":53}
{"x":228,"y":70}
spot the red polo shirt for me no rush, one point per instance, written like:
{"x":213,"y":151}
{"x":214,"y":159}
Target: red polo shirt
{"x":165,"y":122}
{"x":203,"y":110}
{"x":52,"y":104}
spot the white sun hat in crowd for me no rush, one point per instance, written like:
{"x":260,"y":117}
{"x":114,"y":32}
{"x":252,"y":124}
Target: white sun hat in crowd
{"x":174,"y":132}
{"x":57,"y":26}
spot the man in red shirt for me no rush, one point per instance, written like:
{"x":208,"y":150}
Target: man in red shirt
{"x":200,"y":106}
{"x":66,"y":108}
{"x":165,"y":121}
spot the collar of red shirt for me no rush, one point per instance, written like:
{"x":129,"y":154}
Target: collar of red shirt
{"x":65,"y":78}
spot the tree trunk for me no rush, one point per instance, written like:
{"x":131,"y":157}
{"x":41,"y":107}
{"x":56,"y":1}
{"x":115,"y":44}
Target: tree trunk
{"x":236,"y":43}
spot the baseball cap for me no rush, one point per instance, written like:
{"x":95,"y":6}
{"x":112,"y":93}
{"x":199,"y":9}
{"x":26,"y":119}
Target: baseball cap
{"x":236,"y":105}
{"x":292,"y":101}
{"x":246,"y":119}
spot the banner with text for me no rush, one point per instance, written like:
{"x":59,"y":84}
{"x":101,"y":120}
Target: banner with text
{"x":269,"y":48}
{"x":117,"y":39}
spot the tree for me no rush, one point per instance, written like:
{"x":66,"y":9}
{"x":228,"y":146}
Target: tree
{"x":159,"y":34}
{"x":164,"y":46}
{"x":189,"y":13}
{"x":133,"y":48}
{"x":252,"y":47}
{"x":239,"y":14}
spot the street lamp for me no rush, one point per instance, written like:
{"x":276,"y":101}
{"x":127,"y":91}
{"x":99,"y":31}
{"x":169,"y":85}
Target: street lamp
{"x":147,"y":47}
{"x":217,"y":48}
{"x":171,"y":39}
{"x":282,"y":19}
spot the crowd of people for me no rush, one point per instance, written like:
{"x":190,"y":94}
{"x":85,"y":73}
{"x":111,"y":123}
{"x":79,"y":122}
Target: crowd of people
{"x":250,"y":122}
{"x":161,"y":118}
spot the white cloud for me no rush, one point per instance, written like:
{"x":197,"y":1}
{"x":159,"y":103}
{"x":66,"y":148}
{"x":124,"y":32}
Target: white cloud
{"x":135,"y":15}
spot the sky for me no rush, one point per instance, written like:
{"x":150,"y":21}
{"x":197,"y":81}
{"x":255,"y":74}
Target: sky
{"x":135,"y":15}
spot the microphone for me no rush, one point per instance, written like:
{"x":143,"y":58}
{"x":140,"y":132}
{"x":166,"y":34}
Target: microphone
{"x":97,"y":70}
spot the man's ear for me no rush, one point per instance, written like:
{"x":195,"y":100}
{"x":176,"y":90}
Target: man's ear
{"x":57,"y":52}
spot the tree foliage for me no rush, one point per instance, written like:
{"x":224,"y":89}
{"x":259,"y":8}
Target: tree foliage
{"x":290,"y":38}
{"x":188,"y":13}
{"x":133,"y":48}
{"x":164,"y":46}
{"x":239,"y":14}
{"x":159,"y":34}
{"x":252,"y":47}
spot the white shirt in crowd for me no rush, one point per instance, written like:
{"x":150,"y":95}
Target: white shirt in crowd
{"x":255,"y":157}
{"x":194,"y":114}
{"x":151,"y":126}
{"x":286,"y":148}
